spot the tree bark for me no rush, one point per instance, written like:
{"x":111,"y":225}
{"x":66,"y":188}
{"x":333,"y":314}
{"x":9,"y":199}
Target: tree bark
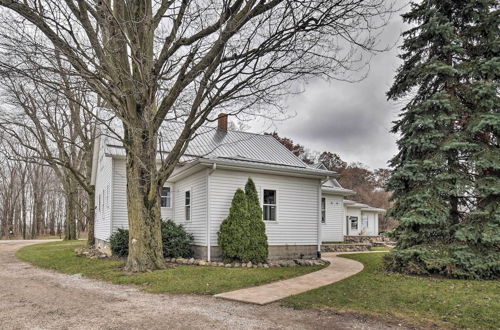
{"x":145,"y":244}
{"x":70,"y":230}
{"x":91,"y":217}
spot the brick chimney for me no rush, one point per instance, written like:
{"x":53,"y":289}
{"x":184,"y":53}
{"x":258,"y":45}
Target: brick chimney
{"x":222,"y":122}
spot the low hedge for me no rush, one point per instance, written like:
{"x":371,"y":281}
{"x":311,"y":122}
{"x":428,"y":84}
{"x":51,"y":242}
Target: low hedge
{"x":176,"y":241}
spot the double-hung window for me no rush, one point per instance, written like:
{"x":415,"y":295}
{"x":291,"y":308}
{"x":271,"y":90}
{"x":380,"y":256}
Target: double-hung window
{"x":187,"y":204}
{"x":166,"y":197}
{"x":269,"y":205}
{"x":323,"y":210}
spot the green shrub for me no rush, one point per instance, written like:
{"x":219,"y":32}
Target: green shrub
{"x":258,"y":247}
{"x":233,"y":232}
{"x":119,"y":243}
{"x":242,"y":235}
{"x":176,"y":241}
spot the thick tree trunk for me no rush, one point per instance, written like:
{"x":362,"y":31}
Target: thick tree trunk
{"x":145,"y":245}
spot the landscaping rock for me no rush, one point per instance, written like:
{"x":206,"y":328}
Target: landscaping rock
{"x":202,"y":263}
{"x":265,"y":265}
{"x":227,"y":265}
{"x":249,"y":264}
{"x":236,"y":265}
{"x":191,"y":261}
{"x":259,"y":265}
{"x":220,"y":264}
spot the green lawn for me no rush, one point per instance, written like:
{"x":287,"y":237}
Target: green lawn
{"x":380,"y":249}
{"x":417,"y":300}
{"x":182,"y":279}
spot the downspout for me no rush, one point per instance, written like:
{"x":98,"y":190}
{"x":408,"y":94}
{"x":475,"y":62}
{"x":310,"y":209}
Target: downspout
{"x":209,"y":252}
{"x":320,"y":195}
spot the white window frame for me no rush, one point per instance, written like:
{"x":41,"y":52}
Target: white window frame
{"x":275,"y":205}
{"x":107,"y":198}
{"x":323,"y":210}
{"x":365,"y":218}
{"x":188,"y":207}
{"x":168,"y":198}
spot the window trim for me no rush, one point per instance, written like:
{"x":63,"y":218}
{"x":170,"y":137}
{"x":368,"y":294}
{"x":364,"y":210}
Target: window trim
{"x":170,"y":197}
{"x":363,"y":217}
{"x":190,"y":205}
{"x":275,"y":205}
{"x":323,"y":210}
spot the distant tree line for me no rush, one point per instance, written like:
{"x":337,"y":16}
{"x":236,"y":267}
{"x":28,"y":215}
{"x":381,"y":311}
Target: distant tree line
{"x":368,"y":184}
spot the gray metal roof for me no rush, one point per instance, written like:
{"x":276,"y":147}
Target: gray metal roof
{"x":212,"y":143}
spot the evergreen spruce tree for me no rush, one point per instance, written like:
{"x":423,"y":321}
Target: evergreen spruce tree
{"x":258,"y":249}
{"x":425,"y":175}
{"x":477,"y":250}
{"x":233,"y":236}
{"x":449,"y":141}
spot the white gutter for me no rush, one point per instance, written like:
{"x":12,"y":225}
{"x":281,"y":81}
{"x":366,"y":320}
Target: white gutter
{"x":209,"y":247}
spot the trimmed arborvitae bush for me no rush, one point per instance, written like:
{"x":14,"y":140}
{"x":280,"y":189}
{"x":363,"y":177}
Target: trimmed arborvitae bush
{"x":119,"y":243}
{"x":258,"y":248}
{"x":233,"y":238}
{"x":176,"y":241}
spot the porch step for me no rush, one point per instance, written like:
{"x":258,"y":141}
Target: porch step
{"x":346,"y":247}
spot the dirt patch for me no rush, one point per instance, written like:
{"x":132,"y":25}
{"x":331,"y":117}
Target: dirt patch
{"x":36,"y":298}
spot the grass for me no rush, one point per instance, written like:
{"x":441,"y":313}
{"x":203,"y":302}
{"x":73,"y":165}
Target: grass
{"x":416,"y":300}
{"x":60,"y":256}
{"x":380,"y":249}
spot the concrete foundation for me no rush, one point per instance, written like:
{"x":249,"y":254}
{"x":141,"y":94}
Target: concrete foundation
{"x":276,"y":252}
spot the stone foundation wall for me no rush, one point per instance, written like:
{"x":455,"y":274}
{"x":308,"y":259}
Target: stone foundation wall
{"x":362,"y":239}
{"x":346,"y":247}
{"x":276,"y":252}
{"x":103,"y":246}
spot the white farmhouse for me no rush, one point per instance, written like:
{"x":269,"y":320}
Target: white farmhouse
{"x":303,"y":205}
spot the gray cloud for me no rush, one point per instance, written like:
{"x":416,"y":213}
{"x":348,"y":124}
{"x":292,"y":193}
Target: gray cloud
{"x":350,"y":119}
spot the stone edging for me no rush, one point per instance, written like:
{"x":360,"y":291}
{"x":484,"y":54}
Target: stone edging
{"x":270,"y":264}
{"x":96,"y":254}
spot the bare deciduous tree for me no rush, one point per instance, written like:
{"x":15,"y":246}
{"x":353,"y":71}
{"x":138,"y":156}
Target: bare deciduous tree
{"x":152,"y":61}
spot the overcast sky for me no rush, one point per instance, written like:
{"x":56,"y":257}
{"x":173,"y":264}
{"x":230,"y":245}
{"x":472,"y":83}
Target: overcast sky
{"x":350,"y":119}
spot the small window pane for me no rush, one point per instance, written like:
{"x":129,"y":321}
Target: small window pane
{"x":269,"y":196}
{"x":187,"y":205}
{"x":323,"y":210}
{"x":165,"y":197}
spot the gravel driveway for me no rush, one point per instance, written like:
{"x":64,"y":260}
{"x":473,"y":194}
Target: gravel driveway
{"x":35,"y":298}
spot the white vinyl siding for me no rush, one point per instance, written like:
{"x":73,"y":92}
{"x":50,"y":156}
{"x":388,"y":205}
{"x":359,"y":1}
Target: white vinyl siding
{"x":119,"y":199}
{"x":103,"y":212}
{"x":332,"y":229}
{"x":297,"y":205}
{"x":197,"y":225}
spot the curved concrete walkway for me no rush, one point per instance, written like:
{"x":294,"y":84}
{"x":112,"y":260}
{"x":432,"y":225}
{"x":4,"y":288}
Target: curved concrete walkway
{"x":338,"y":269}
